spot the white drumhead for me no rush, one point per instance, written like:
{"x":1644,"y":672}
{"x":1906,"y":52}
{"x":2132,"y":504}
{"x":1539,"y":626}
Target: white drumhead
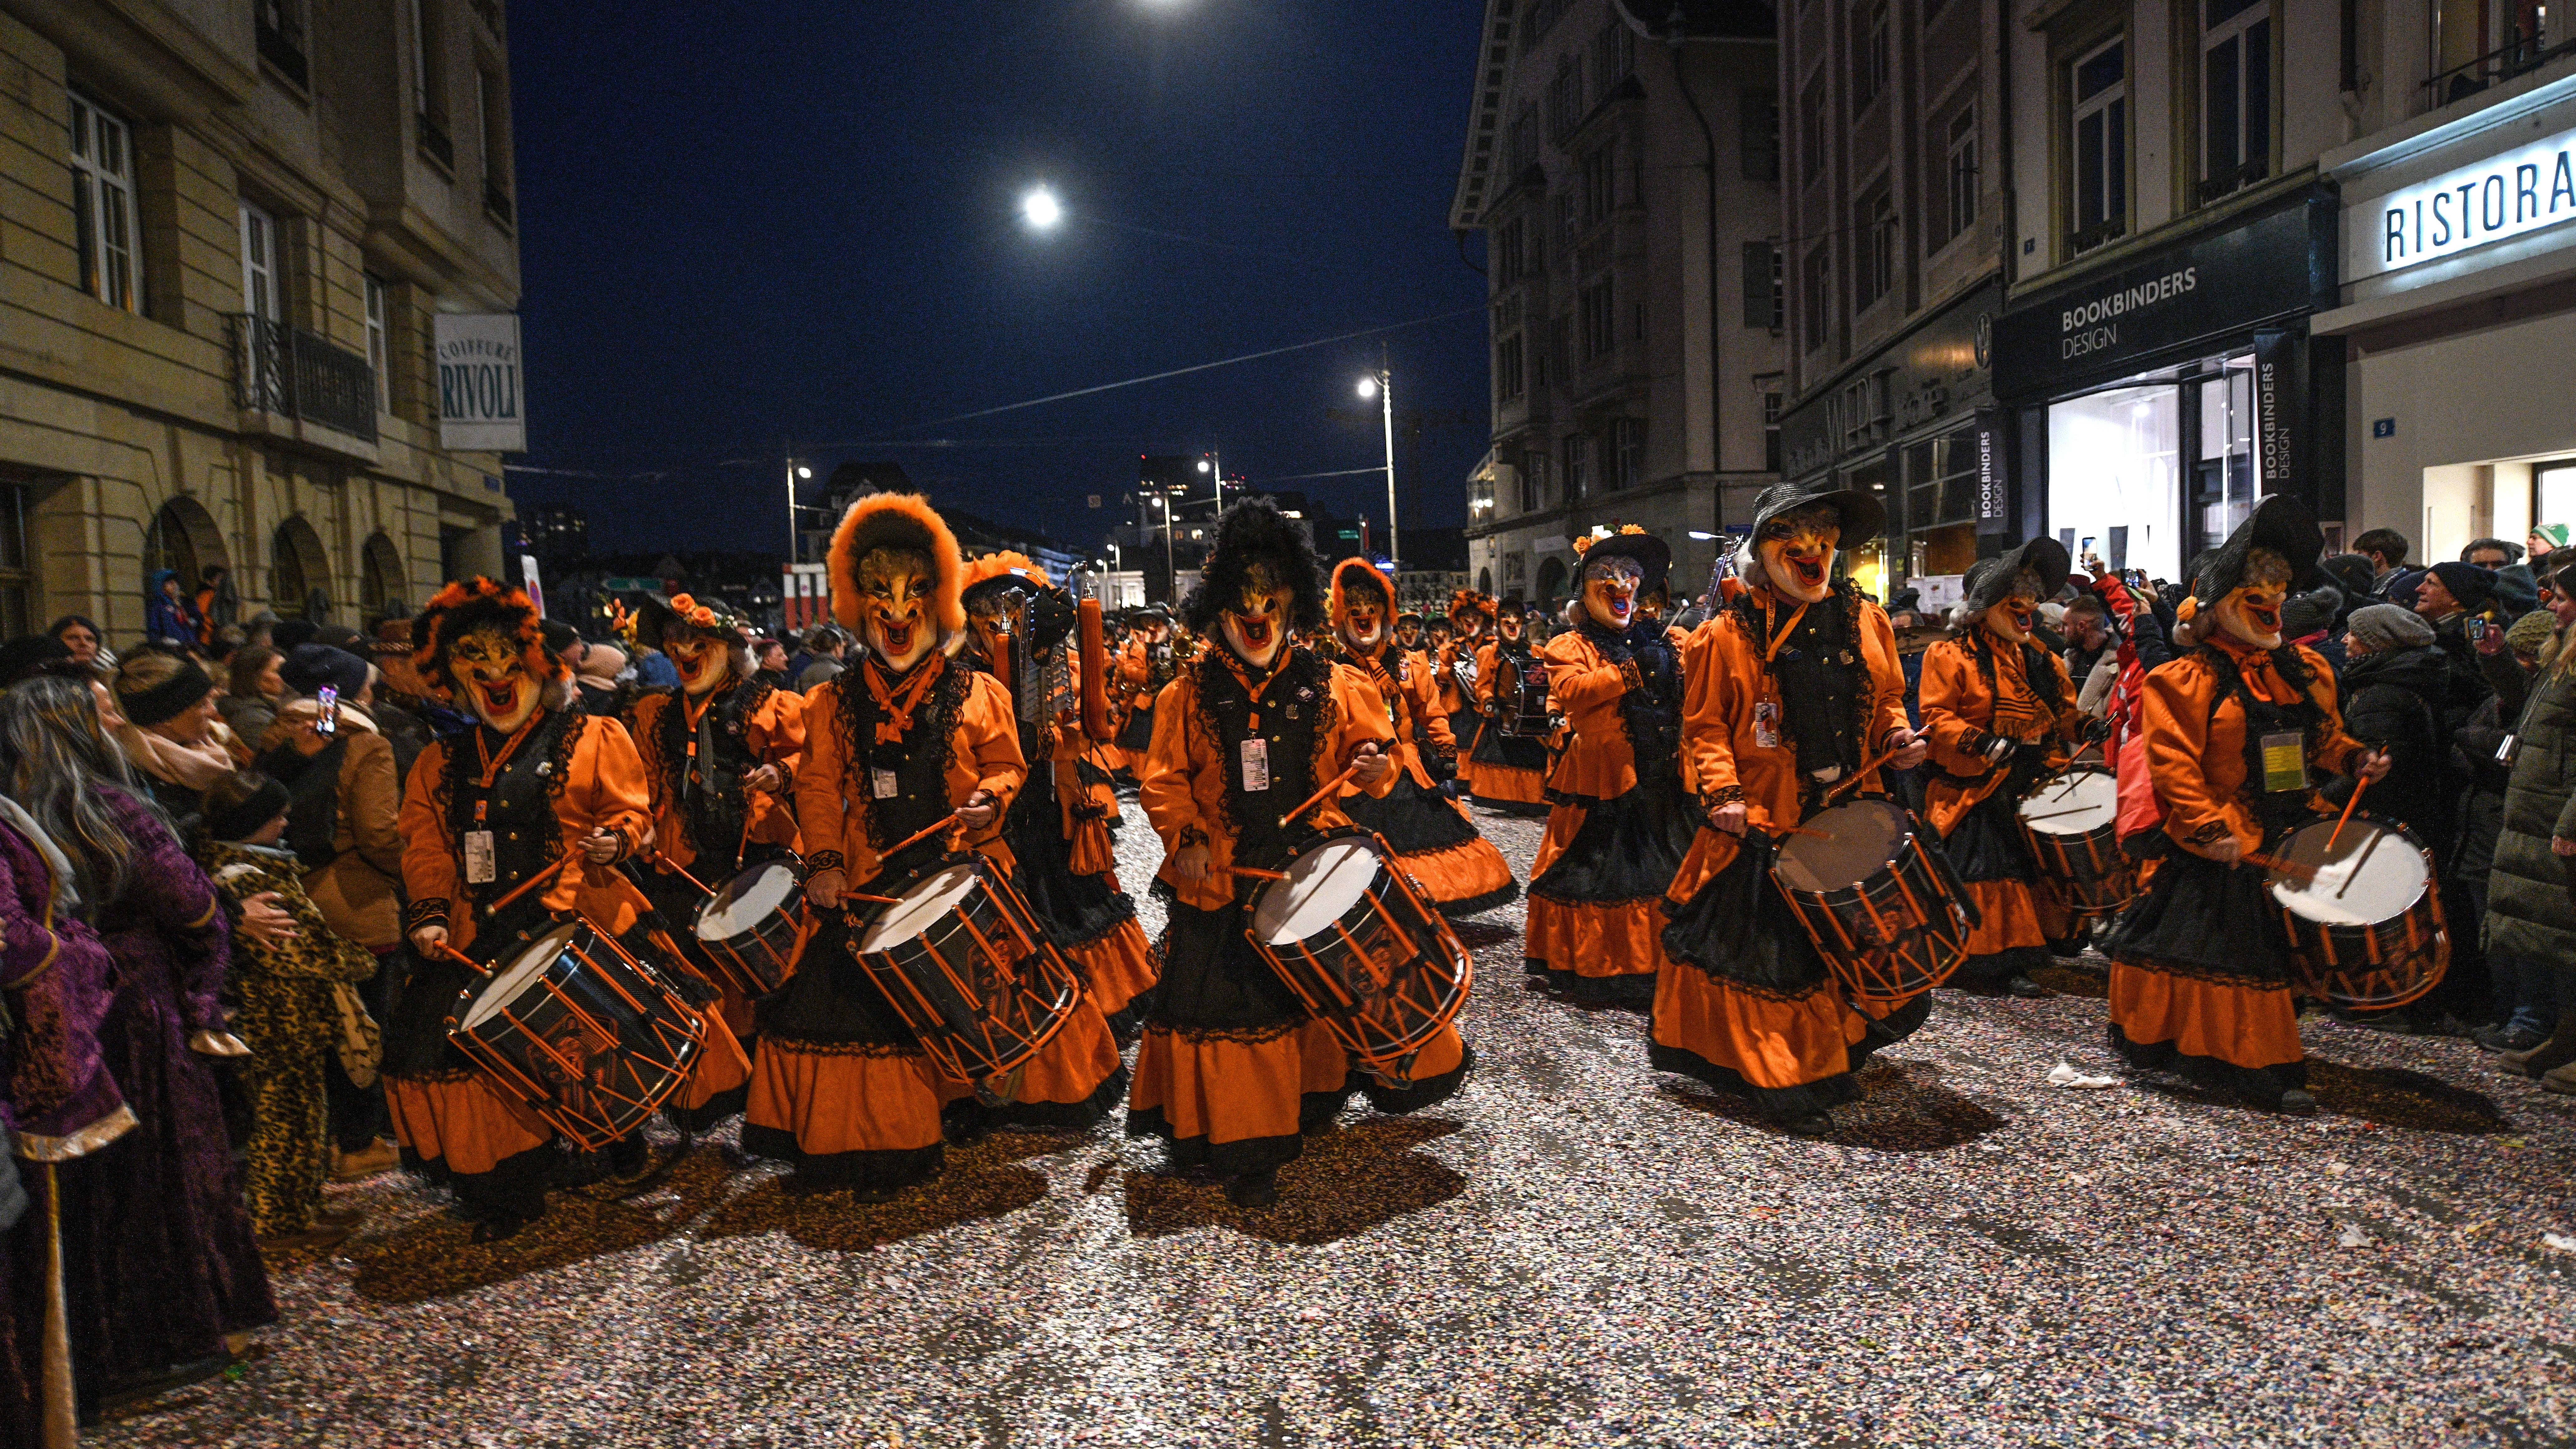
{"x":2077,"y":803}
{"x":2356,"y":885}
{"x":746,"y":900}
{"x":1325,"y":882}
{"x":917,"y":908}
{"x":1863,"y":839}
{"x":520,"y":976}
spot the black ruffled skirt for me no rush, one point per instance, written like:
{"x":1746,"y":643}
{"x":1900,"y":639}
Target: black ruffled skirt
{"x":1627,"y":849}
{"x":1739,"y":929}
{"x":2204,"y":919}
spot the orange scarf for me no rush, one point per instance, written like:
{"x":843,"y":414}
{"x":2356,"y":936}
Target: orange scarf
{"x":890,"y":730}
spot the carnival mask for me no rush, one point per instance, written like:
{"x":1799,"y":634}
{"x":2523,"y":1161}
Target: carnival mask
{"x":1509,"y":626}
{"x":1610,"y":591}
{"x":1256,"y":625}
{"x":1154,"y":633}
{"x":2011,"y":617}
{"x":701,"y":660}
{"x":1797,"y":553}
{"x":894,"y":605}
{"x":2251,"y":612}
{"x":492,"y":674}
{"x":1364,"y":623}
{"x":988,"y":615}
{"x":1409,"y":635}
{"x":1466,"y":624}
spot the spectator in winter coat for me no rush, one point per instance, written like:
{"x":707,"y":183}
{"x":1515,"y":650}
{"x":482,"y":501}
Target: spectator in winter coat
{"x":2531,"y":898}
{"x":2546,"y":539}
{"x":2480,"y":777}
{"x":2449,"y":595}
{"x":168,"y":616}
{"x":2386,"y":550}
{"x":2393,"y":684}
{"x":253,"y":689}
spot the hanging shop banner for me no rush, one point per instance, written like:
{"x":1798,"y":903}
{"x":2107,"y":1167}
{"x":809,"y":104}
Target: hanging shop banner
{"x":2277,"y":388}
{"x":480,"y":392}
{"x":1994,"y":487}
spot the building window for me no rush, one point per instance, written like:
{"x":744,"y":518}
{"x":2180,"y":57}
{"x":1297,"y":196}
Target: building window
{"x":1524,"y":141}
{"x":1578,"y":466}
{"x":102,"y":158}
{"x":1771,"y":423}
{"x":1507,"y":368}
{"x":2236,"y":95}
{"x":2100,"y":145}
{"x":1960,"y":173}
{"x":1614,"y":54}
{"x":1564,"y":98}
{"x":1600,"y":318}
{"x":17,"y":581}
{"x":1533,"y":480}
{"x":1818,"y":302}
{"x":378,"y":339}
{"x":492,"y":116}
{"x":1762,"y":285}
{"x":1511,"y":242}
{"x":1811,"y":130}
{"x":1569,"y":219}
{"x":262,"y":296}
{"x":1873,"y":247}
{"x":1627,"y":452}
{"x":1869,"y":54}
{"x":280,"y":27}
{"x":1600,"y":184}
{"x":1758,"y":136}
{"x":429,"y":82}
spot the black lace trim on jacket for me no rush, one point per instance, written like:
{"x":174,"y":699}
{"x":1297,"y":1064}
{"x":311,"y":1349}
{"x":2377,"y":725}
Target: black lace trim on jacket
{"x":1651,"y":711}
{"x":920,"y":759}
{"x":557,"y":733}
{"x":1300,"y":719}
{"x":722,"y":803}
{"x":1748,"y":616}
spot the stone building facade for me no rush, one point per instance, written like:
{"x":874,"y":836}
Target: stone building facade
{"x":225,"y":229}
{"x":1622,"y":161}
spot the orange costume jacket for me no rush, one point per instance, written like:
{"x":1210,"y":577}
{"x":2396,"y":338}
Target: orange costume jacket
{"x":772,"y":734}
{"x":1182,"y":785}
{"x":1408,"y":695}
{"x":2196,"y":742}
{"x":832,"y":790}
{"x":1451,"y":696}
{"x":602,"y":788}
{"x":1725,"y":755}
{"x":1586,"y":688}
{"x":1962,"y":710}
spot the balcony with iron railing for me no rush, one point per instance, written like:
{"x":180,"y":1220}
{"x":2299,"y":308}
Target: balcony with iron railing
{"x":2099,"y":234}
{"x":299,"y":382}
{"x":2226,"y":184}
{"x":2520,"y":55}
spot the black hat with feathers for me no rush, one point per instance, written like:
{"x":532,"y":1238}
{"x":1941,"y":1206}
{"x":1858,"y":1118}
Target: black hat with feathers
{"x":1255,"y":531}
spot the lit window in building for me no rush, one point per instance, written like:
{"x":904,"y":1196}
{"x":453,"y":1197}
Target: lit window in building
{"x":2101,"y":145}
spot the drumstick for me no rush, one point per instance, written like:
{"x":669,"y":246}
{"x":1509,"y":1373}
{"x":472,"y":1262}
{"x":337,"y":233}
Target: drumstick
{"x":1805,"y":830}
{"x":2358,"y":864}
{"x":683,"y":872}
{"x":1256,"y":874}
{"x":1318,"y":798}
{"x":918,"y":836}
{"x":476,"y":966}
{"x":1857,"y":776}
{"x":2304,"y":873}
{"x":2359,"y":784}
{"x":531,"y":883}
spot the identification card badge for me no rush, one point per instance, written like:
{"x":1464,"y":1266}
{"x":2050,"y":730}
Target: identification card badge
{"x":2285,"y":761}
{"x":1766,"y":724}
{"x":1256,"y":765}
{"x":881,"y":784}
{"x":482,"y":866}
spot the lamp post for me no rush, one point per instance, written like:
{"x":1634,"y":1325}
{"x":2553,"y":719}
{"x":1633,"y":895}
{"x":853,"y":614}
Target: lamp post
{"x":794,"y":472}
{"x":1381,"y":385}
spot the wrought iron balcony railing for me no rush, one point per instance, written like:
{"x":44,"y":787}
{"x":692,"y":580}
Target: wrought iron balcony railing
{"x":289,"y":372}
{"x":2519,"y":55}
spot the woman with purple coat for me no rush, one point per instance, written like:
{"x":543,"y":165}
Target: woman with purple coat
{"x":160,"y":1264}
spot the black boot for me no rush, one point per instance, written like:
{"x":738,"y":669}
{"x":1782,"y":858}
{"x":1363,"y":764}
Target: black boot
{"x":1254,"y":1189}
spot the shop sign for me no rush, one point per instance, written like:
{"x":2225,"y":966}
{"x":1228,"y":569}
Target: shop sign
{"x":2276,"y":386}
{"x":2278,"y":264}
{"x":2513,"y":192}
{"x":479,"y":383}
{"x":1994,"y":492}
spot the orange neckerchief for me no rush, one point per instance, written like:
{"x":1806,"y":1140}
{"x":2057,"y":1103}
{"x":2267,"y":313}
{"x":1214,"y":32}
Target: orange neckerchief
{"x":492,"y":766}
{"x":890,"y":730}
{"x":1234,"y":665}
{"x":1781,"y":636}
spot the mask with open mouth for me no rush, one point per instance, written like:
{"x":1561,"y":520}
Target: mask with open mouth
{"x":1256,"y":625}
{"x":895,"y":587}
{"x":988,"y":617}
{"x":701,"y":660}
{"x":1466,"y":625}
{"x":491,"y":673}
{"x":1610,"y":590}
{"x":1364,"y":626}
{"x":2251,"y":612}
{"x":1797,"y":553}
{"x":1509,"y":627}
{"x":1410,"y":636}
{"x":2010,"y":618}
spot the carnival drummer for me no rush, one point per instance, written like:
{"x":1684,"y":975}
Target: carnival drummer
{"x":2002,"y":716}
{"x":2237,"y":729}
{"x":1430,"y":833}
{"x":1619,"y":827}
{"x":1796,"y":697}
{"x":1505,"y":772}
{"x":719,"y":753}
{"x":1232,"y":1068}
{"x":1144,"y":666}
{"x":537,"y":788}
{"x":908,"y":739}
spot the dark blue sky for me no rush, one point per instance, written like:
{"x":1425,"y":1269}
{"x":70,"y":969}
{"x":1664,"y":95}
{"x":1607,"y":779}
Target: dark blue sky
{"x":746,"y":225}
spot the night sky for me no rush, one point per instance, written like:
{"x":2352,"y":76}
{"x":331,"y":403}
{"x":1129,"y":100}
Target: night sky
{"x":751,"y":226}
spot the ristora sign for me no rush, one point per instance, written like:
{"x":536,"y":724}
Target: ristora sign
{"x":480,"y":397}
{"x":2507,"y":194}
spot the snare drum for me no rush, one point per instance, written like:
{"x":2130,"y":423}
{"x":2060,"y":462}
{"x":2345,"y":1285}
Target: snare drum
{"x":1521,"y":689}
{"x":580,"y":1030}
{"x":969,"y":968}
{"x":2072,"y":825}
{"x":754,"y":928}
{"x":1367,"y":953}
{"x":2366,"y":930}
{"x":1878,"y":898}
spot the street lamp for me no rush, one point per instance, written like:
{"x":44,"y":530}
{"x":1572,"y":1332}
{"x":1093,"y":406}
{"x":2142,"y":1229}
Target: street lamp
{"x":1041,"y":210}
{"x":794,"y":472}
{"x":1381,"y":385}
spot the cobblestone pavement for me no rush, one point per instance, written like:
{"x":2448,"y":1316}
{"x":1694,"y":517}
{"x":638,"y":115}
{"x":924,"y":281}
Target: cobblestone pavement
{"x":1575,"y":1250}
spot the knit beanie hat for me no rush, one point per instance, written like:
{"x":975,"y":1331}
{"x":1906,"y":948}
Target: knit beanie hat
{"x":2382,"y":627}
{"x":240,"y":803}
{"x":2531,"y":631}
{"x":169,"y":699}
{"x":2468,"y":583}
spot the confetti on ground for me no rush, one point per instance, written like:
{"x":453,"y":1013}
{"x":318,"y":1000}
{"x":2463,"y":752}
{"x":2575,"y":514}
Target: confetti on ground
{"x":1575,"y":1250}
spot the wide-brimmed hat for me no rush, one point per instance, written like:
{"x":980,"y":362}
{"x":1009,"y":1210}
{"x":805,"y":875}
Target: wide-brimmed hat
{"x":2280,"y":523}
{"x":657,"y":616}
{"x":1654,"y":556}
{"x":1990,"y":581}
{"x":1864,"y":517}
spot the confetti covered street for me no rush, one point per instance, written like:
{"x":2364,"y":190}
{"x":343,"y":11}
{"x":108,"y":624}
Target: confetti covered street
{"x":1575,"y":1250}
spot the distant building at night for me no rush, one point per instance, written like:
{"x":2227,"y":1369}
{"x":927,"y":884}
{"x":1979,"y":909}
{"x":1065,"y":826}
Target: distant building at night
{"x":1626,"y":180}
{"x":232,"y":226}
{"x":558,"y":534}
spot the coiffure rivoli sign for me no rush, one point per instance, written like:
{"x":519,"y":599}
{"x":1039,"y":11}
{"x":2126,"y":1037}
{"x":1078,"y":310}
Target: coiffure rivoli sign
{"x":2517,"y":191}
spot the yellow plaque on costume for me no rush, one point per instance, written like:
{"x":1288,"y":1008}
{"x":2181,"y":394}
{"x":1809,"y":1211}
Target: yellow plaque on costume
{"x":2285,"y":761}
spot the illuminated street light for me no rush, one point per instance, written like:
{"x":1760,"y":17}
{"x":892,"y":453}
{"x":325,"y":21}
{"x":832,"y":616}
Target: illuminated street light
{"x":1041,"y":209}
{"x":1368,"y":387}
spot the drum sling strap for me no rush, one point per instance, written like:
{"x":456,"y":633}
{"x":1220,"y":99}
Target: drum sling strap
{"x":2276,"y":810}
{"x":506,"y":785}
